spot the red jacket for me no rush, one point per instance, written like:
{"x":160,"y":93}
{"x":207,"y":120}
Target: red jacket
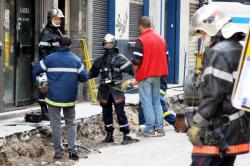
{"x":154,"y":61}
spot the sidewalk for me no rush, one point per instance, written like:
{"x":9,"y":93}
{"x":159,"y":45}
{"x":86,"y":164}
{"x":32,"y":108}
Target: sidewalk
{"x":13,"y":122}
{"x":17,"y":124}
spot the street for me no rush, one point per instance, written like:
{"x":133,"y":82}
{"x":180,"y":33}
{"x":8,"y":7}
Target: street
{"x":173,"y":149}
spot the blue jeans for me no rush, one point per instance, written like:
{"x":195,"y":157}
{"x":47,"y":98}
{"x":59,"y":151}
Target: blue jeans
{"x":167,"y":116}
{"x":150,"y":101}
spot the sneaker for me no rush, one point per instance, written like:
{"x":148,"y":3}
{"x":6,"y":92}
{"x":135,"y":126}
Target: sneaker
{"x":73,"y":156}
{"x":148,"y":134}
{"x":160,"y":132}
{"x":141,"y":128}
{"x":58,"y":156}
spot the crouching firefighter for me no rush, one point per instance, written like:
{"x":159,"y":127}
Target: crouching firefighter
{"x":111,"y":66}
{"x":219,"y":131}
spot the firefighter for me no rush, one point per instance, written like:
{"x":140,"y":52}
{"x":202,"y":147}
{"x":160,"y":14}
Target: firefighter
{"x":48,"y":43}
{"x":64,"y":70}
{"x":219,"y":131}
{"x":111,"y":66}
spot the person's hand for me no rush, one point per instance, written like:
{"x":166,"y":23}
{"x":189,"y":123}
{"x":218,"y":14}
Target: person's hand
{"x":44,"y":90}
{"x":133,"y":82}
{"x":44,"y":87}
{"x":125,"y":84}
{"x":194,"y":134}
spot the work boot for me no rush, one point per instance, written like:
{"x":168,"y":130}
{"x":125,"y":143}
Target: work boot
{"x":109,"y":138}
{"x":44,"y":116}
{"x":128,"y":140}
{"x":44,"y":111}
{"x":73,"y":156}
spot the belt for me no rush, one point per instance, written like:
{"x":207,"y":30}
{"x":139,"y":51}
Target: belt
{"x":110,"y":82}
{"x":225,"y":119}
{"x":235,"y":115}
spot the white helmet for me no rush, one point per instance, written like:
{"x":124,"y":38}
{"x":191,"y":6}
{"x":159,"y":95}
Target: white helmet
{"x":109,"y":41}
{"x":211,"y":19}
{"x":42,"y":80}
{"x":55,"y":12}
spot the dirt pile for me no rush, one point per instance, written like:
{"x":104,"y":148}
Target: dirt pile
{"x":34,"y":148}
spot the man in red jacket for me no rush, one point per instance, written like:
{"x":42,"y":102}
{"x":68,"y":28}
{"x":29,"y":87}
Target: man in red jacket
{"x":149,"y":64}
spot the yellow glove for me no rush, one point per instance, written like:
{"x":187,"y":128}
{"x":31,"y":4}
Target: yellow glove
{"x":194,"y":134}
{"x":125,"y":84}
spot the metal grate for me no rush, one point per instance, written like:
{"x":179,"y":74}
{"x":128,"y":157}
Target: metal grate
{"x":135,"y":13}
{"x":100,"y":26}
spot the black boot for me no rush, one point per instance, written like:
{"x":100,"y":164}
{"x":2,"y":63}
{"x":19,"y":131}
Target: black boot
{"x":128,"y":140}
{"x":109,"y":138}
{"x":44,"y":111}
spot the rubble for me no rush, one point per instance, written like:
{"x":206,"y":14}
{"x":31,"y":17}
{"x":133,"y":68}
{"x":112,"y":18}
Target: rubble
{"x":34,"y":147}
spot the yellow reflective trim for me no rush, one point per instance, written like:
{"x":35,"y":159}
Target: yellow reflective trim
{"x":163,"y":92}
{"x":70,"y":104}
{"x":165,"y":114}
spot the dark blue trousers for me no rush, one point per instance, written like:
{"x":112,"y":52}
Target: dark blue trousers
{"x":107,"y":113}
{"x":213,"y":160}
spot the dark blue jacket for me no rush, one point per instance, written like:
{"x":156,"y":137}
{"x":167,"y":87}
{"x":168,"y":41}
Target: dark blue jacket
{"x":64,"y":69}
{"x":49,"y":40}
{"x":164,"y":84}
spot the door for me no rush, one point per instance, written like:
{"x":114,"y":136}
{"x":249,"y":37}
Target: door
{"x":173,"y":27}
{"x":24,"y":52}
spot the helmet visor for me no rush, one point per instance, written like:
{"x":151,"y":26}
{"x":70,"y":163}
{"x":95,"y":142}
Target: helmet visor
{"x":108,"y":45}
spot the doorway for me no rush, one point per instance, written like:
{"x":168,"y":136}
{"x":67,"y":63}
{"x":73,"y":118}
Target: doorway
{"x":19,"y":55}
{"x":172,"y":20}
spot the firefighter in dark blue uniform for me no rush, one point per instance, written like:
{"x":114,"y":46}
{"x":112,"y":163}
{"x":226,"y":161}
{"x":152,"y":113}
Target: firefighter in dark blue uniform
{"x":110,"y":66}
{"x":219,"y":132}
{"x":48,"y":43}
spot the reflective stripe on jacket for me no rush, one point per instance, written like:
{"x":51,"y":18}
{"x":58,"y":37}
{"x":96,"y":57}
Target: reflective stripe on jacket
{"x":214,"y":150}
{"x":219,"y":66}
{"x":49,"y":40}
{"x":64,"y":69}
{"x":111,"y":67}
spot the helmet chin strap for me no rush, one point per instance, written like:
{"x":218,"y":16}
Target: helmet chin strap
{"x":109,"y":50}
{"x":55,"y":25}
{"x":207,"y":41}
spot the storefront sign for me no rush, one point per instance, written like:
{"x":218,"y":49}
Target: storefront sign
{"x":7,"y":19}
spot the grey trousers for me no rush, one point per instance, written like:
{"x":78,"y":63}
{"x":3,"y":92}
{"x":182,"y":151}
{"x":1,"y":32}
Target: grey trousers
{"x":55,"y":123}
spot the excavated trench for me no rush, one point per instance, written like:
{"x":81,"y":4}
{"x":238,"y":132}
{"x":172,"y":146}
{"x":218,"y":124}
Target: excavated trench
{"x":34,"y":148}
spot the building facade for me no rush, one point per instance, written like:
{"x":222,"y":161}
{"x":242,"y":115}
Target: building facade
{"x":23,"y":20}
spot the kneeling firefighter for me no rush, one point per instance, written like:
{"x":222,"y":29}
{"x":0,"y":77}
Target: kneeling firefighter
{"x":111,"y":66}
{"x":219,"y":131}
